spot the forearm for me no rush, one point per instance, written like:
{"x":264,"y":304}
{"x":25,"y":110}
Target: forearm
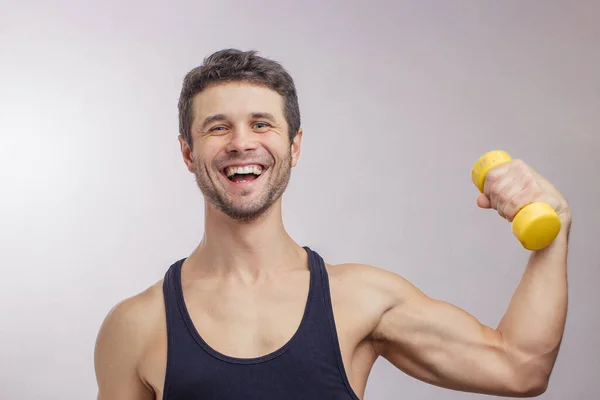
{"x":533,"y":325}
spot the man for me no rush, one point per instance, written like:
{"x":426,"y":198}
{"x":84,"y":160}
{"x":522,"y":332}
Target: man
{"x":251,"y":314}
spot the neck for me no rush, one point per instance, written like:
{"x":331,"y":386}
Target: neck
{"x":247,"y":250}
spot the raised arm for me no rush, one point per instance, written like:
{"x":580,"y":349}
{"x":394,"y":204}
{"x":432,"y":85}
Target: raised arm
{"x":442,"y":344}
{"x":119,"y":347}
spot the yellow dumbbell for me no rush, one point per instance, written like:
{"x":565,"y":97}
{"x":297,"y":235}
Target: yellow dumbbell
{"x":536,"y":225}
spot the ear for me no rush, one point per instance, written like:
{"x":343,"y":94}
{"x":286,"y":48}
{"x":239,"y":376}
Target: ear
{"x":295,"y":147}
{"x":186,"y":152}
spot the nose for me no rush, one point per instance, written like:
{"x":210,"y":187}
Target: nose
{"x":241,"y":140}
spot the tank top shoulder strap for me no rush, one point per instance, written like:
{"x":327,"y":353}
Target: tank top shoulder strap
{"x":174,"y":320}
{"x":170,"y":288}
{"x":323,"y":293}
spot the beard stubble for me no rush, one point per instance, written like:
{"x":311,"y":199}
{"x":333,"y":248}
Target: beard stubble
{"x":238,"y":209}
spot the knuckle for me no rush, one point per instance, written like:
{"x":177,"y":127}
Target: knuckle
{"x":528,"y":176}
{"x":526,"y":183}
{"x":502,"y":200}
{"x":491,"y":178}
{"x":514,"y":202}
{"x":537,"y":193}
{"x":494,"y":173}
{"x":519,"y":163}
{"x":522,"y":167}
{"x":495,"y":193}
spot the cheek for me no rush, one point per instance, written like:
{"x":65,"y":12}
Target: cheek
{"x":204,"y":155}
{"x":279,"y":149}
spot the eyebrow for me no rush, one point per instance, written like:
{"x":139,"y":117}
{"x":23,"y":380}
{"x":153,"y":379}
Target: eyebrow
{"x":211,"y":119}
{"x":263,"y":115}
{"x":222,"y":117}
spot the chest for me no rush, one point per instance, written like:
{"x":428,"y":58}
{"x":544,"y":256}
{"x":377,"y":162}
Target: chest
{"x":246,"y":321}
{"x":250,"y":322}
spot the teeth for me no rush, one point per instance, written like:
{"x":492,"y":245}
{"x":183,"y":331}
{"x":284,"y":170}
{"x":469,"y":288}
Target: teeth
{"x":248,"y":169}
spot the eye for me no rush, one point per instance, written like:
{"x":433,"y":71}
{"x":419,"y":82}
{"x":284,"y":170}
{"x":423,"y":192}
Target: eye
{"x":261,"y":126}
{"x":220,"y":129}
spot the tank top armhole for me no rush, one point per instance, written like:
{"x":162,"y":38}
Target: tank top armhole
{"x":333,"y":329}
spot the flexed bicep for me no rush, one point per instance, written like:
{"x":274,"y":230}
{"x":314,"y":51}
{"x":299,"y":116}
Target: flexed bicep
{"x":442,"y":344}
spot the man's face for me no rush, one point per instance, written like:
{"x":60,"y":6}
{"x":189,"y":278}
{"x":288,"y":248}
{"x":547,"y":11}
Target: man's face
{"x":241,"y":156}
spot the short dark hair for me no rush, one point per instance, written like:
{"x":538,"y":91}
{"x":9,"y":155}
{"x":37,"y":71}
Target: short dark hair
{"x":232,"y":65}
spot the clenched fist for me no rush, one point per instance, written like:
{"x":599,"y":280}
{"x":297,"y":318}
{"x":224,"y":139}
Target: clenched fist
{"x":511,"y":186}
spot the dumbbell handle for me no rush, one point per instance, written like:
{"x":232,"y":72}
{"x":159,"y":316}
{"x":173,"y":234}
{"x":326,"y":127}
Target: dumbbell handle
{"x":536,"y":225}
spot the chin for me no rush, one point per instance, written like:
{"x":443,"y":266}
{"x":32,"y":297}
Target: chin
{"x":245,"y":214}
{"x":243,"y":208}
{"x":243,"y":202}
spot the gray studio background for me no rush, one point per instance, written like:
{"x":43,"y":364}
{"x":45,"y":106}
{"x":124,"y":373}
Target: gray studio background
{"x":398,"y":100}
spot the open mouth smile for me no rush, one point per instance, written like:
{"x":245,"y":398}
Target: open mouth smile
{"x":244,"y":174}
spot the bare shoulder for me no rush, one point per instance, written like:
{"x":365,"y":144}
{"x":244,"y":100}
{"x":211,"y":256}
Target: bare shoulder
{"x":376,"y":282}
{"x":368,"y":291}
{"x":123,"y":337}
{"x":130,"y":317}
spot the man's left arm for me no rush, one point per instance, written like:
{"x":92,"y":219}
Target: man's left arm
{"x":442,"y":344}
{"x":534,"y":322}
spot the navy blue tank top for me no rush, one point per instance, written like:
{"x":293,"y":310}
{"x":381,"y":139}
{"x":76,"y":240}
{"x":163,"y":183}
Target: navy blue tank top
{"x":308,"y":367}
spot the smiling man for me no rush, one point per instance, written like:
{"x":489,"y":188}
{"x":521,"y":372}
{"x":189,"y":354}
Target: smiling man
{"x":251,"y":314}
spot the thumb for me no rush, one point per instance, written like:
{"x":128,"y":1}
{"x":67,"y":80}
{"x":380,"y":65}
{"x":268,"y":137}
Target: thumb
{"x":483,"y":201}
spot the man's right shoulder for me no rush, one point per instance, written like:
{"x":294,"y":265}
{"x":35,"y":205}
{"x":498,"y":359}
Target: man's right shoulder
{"x":130,"y":324}
{"x":125,"y":334}
{"x":134,"y":315}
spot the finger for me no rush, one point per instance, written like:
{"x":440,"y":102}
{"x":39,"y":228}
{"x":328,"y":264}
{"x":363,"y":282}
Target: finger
{"x":513,"y":197}
{"x":499,"y":190}
{"x":493,"y":176}
{"x":526,"y":190}
{"x":518,"y":200}
{"x":483,"y":201}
